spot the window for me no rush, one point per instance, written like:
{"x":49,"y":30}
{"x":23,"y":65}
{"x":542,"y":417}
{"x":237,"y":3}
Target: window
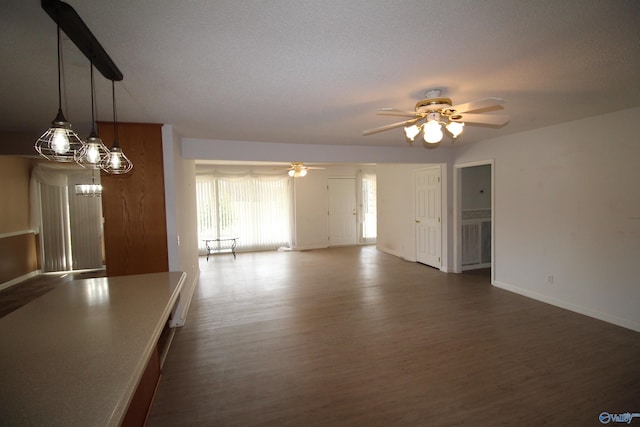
{"x":255,"y":209}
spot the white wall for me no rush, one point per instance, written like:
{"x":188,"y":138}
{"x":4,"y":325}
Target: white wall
{"x":310,"y":192}
{"x":396,"y":217}
{"x":310,"y":211}
{"x":215,"y":149}
{"x":180,"y":200}
{"x":396,"y":211}
{"x":567,"y":211}
{"x":476,"y":187}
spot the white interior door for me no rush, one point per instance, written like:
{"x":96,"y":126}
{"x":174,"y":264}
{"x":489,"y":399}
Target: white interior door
{"x":342,"y":211}
{"x":428,"y":217}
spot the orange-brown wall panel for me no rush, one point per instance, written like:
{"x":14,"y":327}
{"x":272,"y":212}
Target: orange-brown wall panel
{"x":18,"y":251}
{"x":133,"y":205}
{"x":17,"y":256}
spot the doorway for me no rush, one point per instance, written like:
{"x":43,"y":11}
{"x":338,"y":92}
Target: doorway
{"x":342,"y":211}
{"x":474,"y":217}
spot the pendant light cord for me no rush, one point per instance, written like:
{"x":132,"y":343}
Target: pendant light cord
{"x":59,"y":78}
{"x":59,"y":72}
{"x":115,"y":118}
{"x":93,"y":114}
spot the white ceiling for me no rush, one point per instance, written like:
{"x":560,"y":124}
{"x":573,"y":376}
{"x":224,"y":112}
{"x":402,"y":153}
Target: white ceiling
{"x":300,"y":71}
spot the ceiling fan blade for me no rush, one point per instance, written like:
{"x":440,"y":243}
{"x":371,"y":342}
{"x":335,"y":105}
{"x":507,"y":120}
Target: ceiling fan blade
{"x":476,"y":105}
{"x":387,"y":127}
{"x":487,"y":119}
{"x":396,"y":112}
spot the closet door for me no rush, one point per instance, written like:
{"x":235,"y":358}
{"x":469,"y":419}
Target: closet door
{"x":428,"y":207}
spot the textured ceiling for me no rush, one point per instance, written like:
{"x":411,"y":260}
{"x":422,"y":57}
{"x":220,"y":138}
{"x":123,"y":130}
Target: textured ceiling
{"x":316,"y":71}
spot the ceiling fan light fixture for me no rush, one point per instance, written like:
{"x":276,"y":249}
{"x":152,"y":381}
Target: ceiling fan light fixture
{"x":434,"y":112}
{"x":455,"y":128}
{"x":411,"y":132}
{"x":297,"y":172}
{"x":432,"y":132}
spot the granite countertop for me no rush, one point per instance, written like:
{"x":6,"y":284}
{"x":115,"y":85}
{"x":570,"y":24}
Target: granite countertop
{"x":75,"y":355}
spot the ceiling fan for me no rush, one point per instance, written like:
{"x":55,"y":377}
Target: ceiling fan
{"x":298,"y":169}
{"x":436,"y":111}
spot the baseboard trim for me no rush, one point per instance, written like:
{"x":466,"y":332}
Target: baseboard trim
{"x":176,"y":323}
{"x":17,"y":280}
{"x":475,"y":266}
{"x":605,"y":317}
{"x":309,"y":248}
{"x":394,"y":253}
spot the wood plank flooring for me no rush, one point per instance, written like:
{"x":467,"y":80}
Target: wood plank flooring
{"x":352,"y":336}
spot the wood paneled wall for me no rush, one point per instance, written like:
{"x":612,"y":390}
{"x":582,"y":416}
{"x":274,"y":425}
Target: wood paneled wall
{"x":133,"y":204}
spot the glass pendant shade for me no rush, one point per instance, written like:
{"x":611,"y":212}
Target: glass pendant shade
{"x":455,"y":128}
{"x":432,"y":132}
{"x":411,"y":132}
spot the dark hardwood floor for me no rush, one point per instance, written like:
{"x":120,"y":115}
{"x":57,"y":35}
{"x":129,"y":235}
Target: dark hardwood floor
{"x":352,"y":336}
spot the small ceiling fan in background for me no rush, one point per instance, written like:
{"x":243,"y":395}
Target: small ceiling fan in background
{"x":298,"y":169}
{"x":435,"y":111}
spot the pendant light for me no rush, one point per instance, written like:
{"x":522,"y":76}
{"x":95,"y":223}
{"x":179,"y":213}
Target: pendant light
{"x":89,"y":190}
{"x":115,"y":162}
{"x":60,"y":143}
{"x":93,"y":151}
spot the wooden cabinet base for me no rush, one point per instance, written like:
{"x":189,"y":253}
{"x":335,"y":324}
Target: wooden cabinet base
{"x":141,"y":403}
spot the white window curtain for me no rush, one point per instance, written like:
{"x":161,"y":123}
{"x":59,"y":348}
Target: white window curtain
{"x":70,"y":229}
{"x":253,"y":208}
{"x":369,"y":208}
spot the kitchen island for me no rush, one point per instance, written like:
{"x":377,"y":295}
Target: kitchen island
{"x":86,"y":353}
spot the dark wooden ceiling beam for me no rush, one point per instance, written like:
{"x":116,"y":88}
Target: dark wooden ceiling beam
{"x":74,"y":27}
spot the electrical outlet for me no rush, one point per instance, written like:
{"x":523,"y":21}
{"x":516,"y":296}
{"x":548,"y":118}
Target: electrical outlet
{"x":550,"y":279}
